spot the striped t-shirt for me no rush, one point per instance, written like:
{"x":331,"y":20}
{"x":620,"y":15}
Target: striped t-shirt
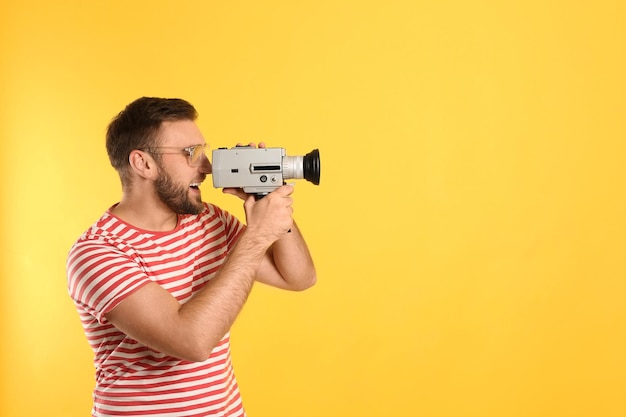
{"x":113,"y":259}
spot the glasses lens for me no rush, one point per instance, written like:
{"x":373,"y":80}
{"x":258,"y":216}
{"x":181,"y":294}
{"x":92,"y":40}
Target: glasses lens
{"x":196,"y":155}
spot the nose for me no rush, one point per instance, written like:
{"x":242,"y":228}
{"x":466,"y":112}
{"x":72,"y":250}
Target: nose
{"x":205,"y":165}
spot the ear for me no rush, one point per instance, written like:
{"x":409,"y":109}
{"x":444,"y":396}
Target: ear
{"x":143,"y":164}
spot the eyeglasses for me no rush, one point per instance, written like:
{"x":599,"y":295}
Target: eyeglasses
{"x":194,"y":153}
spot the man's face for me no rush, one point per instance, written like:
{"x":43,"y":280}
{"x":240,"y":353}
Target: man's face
{"x":177,"y":184}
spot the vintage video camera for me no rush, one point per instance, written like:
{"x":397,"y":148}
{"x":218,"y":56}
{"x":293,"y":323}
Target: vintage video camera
{"x":260,"y":171}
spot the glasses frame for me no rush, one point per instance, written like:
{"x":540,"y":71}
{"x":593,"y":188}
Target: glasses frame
{"x":188,"y":151}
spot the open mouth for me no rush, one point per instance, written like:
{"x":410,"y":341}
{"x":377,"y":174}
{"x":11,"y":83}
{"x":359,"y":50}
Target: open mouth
{"x":195,"y":185}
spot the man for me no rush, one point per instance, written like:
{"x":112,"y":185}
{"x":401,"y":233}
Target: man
{"x":159,"y":279}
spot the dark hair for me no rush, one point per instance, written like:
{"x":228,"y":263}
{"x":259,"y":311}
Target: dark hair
{"x":137,"y":126}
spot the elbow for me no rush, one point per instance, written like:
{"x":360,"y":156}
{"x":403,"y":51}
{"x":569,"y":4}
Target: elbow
{"x":196,"y":351}
{"x":197,"y":356}
{"x":306,"y":281}
{"x":312,"y":280}
{"x":193,"y":354}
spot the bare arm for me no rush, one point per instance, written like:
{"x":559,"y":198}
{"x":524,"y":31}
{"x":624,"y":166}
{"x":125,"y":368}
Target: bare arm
{"x":152,"y":316}
{"x":287,"y":264}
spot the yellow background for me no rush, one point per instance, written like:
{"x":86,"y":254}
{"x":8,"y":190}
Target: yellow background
{"x":469,"y":229}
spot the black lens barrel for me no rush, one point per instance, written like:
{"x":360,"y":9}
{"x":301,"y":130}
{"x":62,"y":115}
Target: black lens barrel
{"x":311,"y":166}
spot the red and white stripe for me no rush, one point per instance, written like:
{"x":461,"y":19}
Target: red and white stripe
{"x":112,"y":260}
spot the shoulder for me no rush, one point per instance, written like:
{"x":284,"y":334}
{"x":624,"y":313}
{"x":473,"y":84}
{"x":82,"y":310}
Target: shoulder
{"x":106,"y":230}
{"x":106,"y":237}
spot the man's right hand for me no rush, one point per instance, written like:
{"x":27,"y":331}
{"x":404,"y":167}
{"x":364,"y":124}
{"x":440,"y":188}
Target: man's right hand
{"x":272,"y":215}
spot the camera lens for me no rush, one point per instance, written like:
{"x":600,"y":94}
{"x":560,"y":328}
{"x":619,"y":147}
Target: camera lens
{"x":311,"y":164}
{"x":307,"y":167}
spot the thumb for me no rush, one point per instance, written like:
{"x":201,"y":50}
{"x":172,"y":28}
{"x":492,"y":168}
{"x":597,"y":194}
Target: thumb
{"x":249,"y":201}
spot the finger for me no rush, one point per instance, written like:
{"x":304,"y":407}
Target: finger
{"x":249,"y":200}
{"x":238,"y":192}
{"x":286,"y":189}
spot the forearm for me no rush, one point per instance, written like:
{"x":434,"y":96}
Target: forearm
{"x":152,"y":316}
{"x":264,"y":251}
{"x":211,"y":312}
{"x":288,"y":263}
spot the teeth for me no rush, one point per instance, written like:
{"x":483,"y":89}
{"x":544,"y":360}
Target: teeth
{"x":194,"y":184}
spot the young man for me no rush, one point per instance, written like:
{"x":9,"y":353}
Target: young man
{"x":159,"y":279}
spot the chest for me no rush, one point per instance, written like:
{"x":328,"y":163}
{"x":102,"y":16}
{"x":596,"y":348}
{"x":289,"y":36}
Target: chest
{"x":182,"y":265}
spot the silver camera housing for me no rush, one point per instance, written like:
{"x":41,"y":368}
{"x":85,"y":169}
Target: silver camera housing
{"x":261,"y":170}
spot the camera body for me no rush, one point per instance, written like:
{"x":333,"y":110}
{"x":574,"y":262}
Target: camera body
{"x":261,"y":170}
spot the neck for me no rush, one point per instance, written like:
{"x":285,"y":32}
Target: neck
{"x":146,"y":213}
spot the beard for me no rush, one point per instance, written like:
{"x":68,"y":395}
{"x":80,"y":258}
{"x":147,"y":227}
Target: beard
{"x":175,"y":196}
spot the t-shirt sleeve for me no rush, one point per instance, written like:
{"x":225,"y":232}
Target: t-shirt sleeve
{"x":232,"y":225}
{"x":100,"y":276}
